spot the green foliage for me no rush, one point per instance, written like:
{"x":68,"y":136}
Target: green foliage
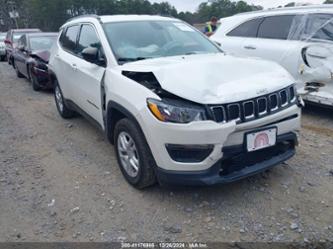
{"x":223,"y":8}
{"x":51,"y":14}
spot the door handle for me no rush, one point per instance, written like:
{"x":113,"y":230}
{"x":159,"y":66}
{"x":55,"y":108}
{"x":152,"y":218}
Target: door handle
{"x":250,"y":47}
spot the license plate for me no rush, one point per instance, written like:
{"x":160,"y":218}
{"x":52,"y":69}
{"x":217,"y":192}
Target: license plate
{"x":261,"y":139}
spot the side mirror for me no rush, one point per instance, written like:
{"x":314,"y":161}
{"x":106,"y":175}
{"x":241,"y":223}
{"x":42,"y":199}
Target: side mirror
{"x":92,"y":55}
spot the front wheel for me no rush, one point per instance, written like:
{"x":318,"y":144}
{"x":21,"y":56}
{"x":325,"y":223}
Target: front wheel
{"x":33,"y":79}
{"x":63,"y":110}
{"x":133,"y":154}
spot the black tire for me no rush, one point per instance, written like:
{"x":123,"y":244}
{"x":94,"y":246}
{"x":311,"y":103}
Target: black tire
{"x":145,"y":176}
{"x":2,"y":58}
{"x":34,"y":82}
{"x":18,"y":74}
{"x":62,"y":108}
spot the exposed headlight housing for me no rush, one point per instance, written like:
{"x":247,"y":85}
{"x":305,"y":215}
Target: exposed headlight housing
{"x":176,"y":111}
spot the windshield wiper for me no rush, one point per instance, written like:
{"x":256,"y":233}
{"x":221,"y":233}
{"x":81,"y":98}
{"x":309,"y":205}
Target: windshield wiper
{"x":123,"y":59}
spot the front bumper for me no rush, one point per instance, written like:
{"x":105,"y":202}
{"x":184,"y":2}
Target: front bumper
{"x":235,"y":164}
{"x":2,"y":52}
{"x":43,"y":78}
{"x":207,"y":133}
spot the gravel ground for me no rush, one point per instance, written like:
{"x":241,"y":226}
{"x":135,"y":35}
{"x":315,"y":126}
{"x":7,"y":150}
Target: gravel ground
{"x":59,"y":181}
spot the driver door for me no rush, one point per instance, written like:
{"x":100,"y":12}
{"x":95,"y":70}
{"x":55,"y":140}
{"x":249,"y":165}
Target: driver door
{"x":88,"y":76}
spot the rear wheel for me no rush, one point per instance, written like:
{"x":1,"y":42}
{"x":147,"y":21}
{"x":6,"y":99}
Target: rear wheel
{"x":133,"y":154}
{"x":18,"y":74}
{"x":63,"y":110}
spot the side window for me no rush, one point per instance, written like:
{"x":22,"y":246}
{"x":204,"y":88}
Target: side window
{"x":247,"y":29}
{"x":88,"y":38}
{"x":319,"y":26}
{"x":68,"y":38}
{"x":276,"y":27}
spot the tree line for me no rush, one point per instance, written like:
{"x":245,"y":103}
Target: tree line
{"x":49,"y":15}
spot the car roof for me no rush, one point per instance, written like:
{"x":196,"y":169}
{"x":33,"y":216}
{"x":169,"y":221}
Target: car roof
{"x":25,"y":30}
{"x":41,"y":34}
{"x":118,"y":18}
{"x":291,"y":10}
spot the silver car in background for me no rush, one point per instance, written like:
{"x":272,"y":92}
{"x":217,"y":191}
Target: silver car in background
{"x":2,"y":46}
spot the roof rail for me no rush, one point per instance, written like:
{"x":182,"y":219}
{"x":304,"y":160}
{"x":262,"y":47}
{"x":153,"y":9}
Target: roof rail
{"x":87,"y":15}
{"x":321,"y":6}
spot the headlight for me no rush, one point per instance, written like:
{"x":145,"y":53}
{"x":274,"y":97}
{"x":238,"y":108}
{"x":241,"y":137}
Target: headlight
{"x":175,"y":111}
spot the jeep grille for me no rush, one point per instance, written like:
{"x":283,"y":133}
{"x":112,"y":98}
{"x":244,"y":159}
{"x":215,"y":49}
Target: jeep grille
{"x":251,"y":109}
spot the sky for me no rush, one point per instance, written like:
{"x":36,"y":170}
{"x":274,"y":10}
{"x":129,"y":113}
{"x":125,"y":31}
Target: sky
{"x":192,"y":5}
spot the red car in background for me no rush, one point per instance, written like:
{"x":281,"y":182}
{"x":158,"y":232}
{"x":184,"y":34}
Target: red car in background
{"x":31,"y":56}
{"x":11,"y":40}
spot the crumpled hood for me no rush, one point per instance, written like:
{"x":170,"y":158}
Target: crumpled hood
{"x":43,"y":55}
{"x":214,"y":78}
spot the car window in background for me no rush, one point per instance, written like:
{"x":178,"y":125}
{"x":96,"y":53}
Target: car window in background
{"x":68,"y":38}
{"x":276,"y":27}
{"x":2,"y":37}
{"x":88,"y":38}
{"x":319,"y":26}
{"x":151,"y":39}
{"x":42,"y":43}
{"x":17,"y":36}
{"x":247,"y":29}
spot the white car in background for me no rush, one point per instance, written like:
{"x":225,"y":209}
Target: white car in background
{"x":298,"y":38}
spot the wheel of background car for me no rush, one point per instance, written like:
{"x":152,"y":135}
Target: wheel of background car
{"x":18,"y":74}
{"x":133,"y":154}
{"x":63,"y":109}
{"x":34,"y":82}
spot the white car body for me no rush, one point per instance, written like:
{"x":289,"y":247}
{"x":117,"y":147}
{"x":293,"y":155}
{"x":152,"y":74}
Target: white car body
{"x":208,"y":80}
{"x":292,"y":42}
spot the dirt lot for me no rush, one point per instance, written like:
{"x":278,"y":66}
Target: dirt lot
{"x":59,"y":181}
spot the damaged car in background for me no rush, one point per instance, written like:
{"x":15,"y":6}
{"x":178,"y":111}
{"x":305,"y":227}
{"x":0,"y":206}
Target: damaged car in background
{"x":298,"y":38}
{"x":177,"y":109}
{"x":31,"y":56}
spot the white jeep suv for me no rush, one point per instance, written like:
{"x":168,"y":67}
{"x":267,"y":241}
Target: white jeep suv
{"x":177,"y":109}
{"x":298,"y":38}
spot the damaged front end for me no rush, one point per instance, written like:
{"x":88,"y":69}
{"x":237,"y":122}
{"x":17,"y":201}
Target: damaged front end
{"x":316,"y":72}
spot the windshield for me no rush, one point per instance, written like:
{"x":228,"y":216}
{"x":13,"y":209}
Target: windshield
{"x":42,"y":43}
{"x":2,"y":37}
{"x":133,"y":41}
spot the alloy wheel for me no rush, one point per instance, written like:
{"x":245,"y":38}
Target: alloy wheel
{"x":128,"y":154}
